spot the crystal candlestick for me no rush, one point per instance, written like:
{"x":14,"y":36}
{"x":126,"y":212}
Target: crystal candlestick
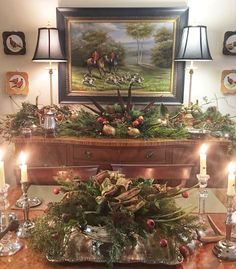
{"x":226,"y":249}
{"x":203,"y":194}
{"x":8,"y":245}
{"x":26,"y":226}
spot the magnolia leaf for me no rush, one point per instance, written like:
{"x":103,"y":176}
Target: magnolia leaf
{"x":136,"y":207}
{"x":106,"y":183}
{"x":128,"y":194}
{"x":100,"y":199}
{"x":121,"y":181}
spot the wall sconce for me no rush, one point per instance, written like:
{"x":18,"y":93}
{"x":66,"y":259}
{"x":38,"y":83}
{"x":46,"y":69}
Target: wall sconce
{"x":48,"y":49}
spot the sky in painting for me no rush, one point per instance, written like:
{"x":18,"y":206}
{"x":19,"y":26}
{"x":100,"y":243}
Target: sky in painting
{"x":116,"y":30}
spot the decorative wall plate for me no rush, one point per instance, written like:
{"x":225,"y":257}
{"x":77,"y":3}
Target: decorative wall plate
{"x":14,"y":43}
{"x":229,"y":45}
{"x":228,"y":81}
{"x":17,"y":83}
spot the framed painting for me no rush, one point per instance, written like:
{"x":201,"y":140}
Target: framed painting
{"x":112,"y":48}
{"x":229,"y":44}
{"x":228,"y":81}
{"x":17,"y":83}
{"x":14,"y":43}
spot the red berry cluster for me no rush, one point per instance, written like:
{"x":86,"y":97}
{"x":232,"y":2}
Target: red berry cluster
{"x":102,"y":120}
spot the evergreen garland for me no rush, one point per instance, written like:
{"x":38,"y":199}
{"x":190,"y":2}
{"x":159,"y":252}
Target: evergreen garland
{"x":120,"y":120}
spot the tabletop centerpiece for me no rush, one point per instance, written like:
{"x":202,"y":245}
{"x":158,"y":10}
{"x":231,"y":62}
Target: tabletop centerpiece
{"x":110,"y":218}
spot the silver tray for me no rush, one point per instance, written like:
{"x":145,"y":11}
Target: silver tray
{"x":81,"y":247}
{"x":33,"y":202}
{"x":198,"y":133}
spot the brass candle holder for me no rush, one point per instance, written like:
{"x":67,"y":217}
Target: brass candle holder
{"x":27,"y":225}
{"x":226,"y":249}
{"x":8,"y":245}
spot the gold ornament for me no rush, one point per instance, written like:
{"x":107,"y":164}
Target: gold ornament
{"x":108,"y":130}
{"x":133,"y":131}
{"x":73,"y":115}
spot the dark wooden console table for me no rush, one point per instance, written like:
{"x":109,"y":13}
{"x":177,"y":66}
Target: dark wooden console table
{"x":72,"y":151}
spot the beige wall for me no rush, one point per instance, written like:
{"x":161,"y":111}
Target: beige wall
{"x":29,"y":15}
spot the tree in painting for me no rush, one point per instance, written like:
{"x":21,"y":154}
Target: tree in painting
{"x":162,"y":51}
{"x":140,"y":31}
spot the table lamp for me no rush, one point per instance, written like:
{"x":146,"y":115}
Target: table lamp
{"x":48,"y":49}
{"x":193,"y":47}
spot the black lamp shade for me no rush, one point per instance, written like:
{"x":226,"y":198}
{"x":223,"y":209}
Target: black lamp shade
{"x":194,"y":45}
{"x":48,"y":48}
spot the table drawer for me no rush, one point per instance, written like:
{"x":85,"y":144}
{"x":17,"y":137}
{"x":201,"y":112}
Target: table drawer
{"x":94,"y":155}
{"x":139,"y":155}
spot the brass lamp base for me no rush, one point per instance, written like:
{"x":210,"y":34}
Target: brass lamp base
{"x":188,"y":119}
{"x":225,"y":250}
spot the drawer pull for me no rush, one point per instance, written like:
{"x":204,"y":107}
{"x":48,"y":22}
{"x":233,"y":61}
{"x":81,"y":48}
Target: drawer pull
{"x":149,"y":155}
{"x":88,"y":154}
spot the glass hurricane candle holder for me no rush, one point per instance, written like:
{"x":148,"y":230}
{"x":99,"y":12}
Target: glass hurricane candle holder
{"x":226,"y":249}
{"x":203,"y":194}
{"x":8,"y":245}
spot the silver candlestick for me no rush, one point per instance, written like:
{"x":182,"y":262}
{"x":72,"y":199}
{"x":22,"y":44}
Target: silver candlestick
{"x":26,"y":226}
{"x":8,"y":245}
{"x":226,"y":249}
{"x":203,"y":194}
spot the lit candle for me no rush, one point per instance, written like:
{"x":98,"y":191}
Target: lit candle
{"x":203,"y":160}
{"x":231,"y":180}
{"x":2,"y":173}
{"x":23,"y":167}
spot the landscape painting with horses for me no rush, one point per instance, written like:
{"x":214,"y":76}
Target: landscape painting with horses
{"x":108,"y":55}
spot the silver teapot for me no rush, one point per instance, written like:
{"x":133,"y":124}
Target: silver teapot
{"x":49,"y":124}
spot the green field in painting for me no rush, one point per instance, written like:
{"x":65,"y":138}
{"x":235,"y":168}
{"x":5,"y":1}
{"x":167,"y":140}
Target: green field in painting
{"x":156,"y":80}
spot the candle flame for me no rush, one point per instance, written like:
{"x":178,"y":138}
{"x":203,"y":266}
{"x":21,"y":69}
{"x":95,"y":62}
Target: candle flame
{"x":22,"y":158}
{"x":231,"y":168}
{"x":203,"y":149}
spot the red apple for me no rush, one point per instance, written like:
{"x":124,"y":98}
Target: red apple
{"x":100,"y":119}
{"x":163,"y":243}
{"x":150,"y":223}
{"x":56,"y":190}
{"x":140,"y":119}
{"x":184,"y":251}
{"x":135,"y":123}
{"x":185,"y":194}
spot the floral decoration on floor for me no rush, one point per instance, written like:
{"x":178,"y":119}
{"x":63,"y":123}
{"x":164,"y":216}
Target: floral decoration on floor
{"x":120,"y":120}
{"x":110,"y":218}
